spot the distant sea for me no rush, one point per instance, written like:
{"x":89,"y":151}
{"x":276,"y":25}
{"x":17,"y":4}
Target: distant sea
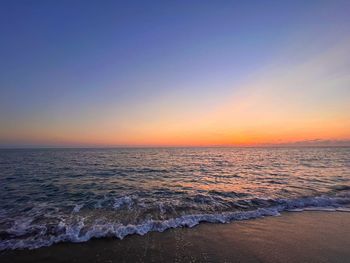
{"x":72,"y":195}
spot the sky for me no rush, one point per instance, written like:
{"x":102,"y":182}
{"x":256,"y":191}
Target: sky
{"x":174,"y":73}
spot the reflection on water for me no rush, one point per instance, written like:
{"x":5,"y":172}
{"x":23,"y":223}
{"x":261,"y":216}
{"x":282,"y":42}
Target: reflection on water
{"x":53,"y":195}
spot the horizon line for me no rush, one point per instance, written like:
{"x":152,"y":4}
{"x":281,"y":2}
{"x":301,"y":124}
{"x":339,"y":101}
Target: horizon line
{"x":174,"y":146}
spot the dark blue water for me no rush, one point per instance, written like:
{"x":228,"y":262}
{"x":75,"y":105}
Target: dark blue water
{"x":54,"y":195}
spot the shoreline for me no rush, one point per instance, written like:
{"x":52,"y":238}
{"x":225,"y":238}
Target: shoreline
{"x":308,"y":236}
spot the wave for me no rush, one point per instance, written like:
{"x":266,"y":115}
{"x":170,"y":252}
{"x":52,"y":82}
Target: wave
{"x":17,"y":236}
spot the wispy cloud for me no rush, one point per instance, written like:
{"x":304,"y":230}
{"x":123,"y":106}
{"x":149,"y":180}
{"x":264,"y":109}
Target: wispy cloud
{"x":314,"y":142}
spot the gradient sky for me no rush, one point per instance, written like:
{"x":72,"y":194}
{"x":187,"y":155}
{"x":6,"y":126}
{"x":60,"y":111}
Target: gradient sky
{"x":136,"y":73}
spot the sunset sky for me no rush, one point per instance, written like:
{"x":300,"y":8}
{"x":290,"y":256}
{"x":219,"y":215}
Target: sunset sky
{"x":174,"y":73}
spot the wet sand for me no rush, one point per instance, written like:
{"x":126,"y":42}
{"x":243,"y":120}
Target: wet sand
{"x":292,"y":237}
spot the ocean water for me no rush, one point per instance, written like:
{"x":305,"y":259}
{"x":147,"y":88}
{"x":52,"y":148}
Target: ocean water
{"x":72,"y":195}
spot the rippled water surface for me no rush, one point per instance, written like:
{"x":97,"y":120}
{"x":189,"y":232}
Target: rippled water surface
{"x":53,"y":195}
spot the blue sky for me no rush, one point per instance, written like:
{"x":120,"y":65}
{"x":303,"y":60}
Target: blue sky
{"x":71,"y":66}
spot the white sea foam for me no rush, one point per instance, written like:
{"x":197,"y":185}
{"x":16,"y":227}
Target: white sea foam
{"x":79,"y":231}
{"x":123,"y":201}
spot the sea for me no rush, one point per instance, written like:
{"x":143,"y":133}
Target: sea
{"x":49,"y":196}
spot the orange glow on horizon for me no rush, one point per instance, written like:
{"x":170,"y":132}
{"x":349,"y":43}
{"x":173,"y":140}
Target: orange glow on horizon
{"x":279,"y":106}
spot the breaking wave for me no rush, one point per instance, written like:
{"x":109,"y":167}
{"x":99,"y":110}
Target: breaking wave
{"x":72,"y":195}
{"x":25,"y":235}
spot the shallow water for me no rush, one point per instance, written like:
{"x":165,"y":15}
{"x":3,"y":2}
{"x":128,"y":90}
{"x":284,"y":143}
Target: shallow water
{"x":53,"y":195}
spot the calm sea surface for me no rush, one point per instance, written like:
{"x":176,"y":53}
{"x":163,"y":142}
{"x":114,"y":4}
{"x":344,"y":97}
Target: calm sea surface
{"x":54,"y":195}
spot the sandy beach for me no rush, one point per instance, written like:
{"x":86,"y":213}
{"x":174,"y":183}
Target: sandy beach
{"x":174,"y":131}
{"x":311,"y":236}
